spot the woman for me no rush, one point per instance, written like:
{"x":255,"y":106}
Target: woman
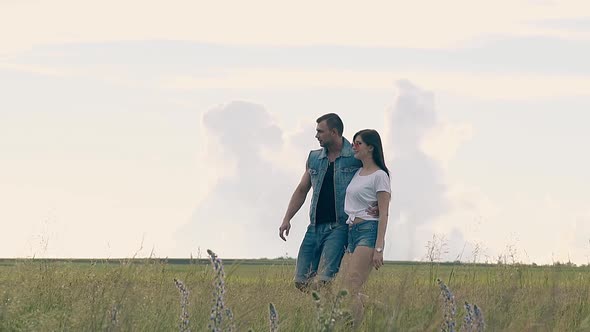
{"x":370,"y":186}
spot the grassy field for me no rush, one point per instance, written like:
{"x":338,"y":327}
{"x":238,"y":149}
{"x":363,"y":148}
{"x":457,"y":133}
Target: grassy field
{"x":37,"y":295}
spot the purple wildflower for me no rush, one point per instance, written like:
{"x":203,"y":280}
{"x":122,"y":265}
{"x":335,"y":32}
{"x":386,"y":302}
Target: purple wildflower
{"x":219,"y":310}
{"x":478,"y":324}
{"x":449,"y":307}
{"x":184,"y":318}
{"x":273,"y":318}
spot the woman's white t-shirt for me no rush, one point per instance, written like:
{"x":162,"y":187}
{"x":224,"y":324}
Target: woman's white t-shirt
{"x":361,"y":194}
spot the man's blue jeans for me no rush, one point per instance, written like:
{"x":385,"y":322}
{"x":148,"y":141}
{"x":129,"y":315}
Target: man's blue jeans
{"x":321,"y":252}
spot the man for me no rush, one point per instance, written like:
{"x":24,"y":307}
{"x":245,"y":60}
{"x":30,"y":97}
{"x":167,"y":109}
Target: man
{"x":328,"y":171}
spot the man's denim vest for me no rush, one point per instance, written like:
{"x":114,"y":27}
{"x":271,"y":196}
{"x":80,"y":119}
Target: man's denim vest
{"x":344,"y":168}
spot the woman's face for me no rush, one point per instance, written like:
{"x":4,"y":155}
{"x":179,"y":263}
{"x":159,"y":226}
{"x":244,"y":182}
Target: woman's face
{"x":361,"y":150}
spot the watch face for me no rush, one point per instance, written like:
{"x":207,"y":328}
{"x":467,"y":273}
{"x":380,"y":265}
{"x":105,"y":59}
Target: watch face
{"x":379,"y":249}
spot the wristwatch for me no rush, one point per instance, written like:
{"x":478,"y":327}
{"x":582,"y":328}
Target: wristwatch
{"x":379,"y":250}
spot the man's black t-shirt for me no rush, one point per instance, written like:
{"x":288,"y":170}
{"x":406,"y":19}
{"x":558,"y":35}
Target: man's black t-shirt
{"x":326,"y":208}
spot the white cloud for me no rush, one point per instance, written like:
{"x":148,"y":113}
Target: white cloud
{"x":532,"y":229}
{"x":36,"y":69}
{"x":442,"y":142}
{"x":293,"y":155}
{"x":376,"y":23}
{"x":418,"y":185}
{"x":242,"y":212}
{"x":425,"y":202}
{"x":475,"y":216}
{"x":483,"y":85}
{"x":115,"y":75}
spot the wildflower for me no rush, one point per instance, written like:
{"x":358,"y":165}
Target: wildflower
{"x":218,"y":311}
{"x":273,"y":318}
{"x":114,"y":314}
{"x":184,"y":293}
{"x":478,"y":324}
{"x":449,"y":307}
{"x":468,"y":319}
{"x":473,"y":321}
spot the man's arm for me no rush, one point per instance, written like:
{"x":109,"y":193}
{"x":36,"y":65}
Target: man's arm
{"x":373,"y":211}
{"x":295,"y":204}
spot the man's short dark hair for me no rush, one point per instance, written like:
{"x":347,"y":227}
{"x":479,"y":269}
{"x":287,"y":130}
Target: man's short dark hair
{"x":333,"y":121}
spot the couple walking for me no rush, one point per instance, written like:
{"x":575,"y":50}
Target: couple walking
{"x":349,"y":208}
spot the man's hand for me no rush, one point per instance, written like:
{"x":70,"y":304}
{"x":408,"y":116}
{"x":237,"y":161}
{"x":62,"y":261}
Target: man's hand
{"x":284,"y":229}
{"x":373,"y":211}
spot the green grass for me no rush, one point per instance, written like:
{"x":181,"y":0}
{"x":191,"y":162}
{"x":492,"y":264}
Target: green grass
{"x":62,"y":295}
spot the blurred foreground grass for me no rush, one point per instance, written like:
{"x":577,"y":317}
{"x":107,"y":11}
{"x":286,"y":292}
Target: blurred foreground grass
{"x":140,"y":295}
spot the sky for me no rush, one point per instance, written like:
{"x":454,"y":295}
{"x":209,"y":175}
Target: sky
{"x":143,"y":129}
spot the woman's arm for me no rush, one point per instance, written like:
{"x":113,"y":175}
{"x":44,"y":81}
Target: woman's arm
{"x":383,"y":198}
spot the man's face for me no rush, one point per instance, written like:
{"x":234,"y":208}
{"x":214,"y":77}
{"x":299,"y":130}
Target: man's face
{"x":324,"y":135}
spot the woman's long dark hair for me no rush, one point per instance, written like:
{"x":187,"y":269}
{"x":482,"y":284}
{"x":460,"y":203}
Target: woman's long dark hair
{"x":371,"y":137}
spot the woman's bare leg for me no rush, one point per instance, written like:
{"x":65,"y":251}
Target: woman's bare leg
{"x":359,"y":265}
